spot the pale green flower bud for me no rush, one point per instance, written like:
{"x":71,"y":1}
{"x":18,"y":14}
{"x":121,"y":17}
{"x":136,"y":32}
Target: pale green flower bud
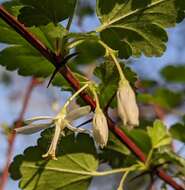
{"x":100,"y":128}
{"x":127,"y":106}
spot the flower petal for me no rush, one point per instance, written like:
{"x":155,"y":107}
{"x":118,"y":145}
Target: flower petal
{"x":127,"y":106}
{"x":121,"y":110}
{"x":80,"y":130}
{"x":78,"y":112}
{"x":100,"y":128}
{"x":32,"y":128}
{"x":33,"y":119}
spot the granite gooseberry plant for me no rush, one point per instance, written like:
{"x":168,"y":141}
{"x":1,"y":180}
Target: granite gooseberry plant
{"x":127,"y":28}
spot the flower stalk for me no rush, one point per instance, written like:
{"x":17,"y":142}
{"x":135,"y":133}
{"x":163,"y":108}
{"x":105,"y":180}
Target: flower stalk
{"x":120,"y":187}
{"x":75,"y":95}
{"x":127,"y":107}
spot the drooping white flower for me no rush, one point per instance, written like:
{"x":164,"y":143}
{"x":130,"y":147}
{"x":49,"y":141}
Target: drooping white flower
{"x":100,"y":128}
{"x":60,"y":121}
{"x":127,"y":106}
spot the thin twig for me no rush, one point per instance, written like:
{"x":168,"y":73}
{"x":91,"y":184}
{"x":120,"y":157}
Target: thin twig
{"x":68,"y":75}
{"x":11,"y":137}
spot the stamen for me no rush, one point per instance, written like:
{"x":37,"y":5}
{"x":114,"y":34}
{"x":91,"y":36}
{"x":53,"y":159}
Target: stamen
{"x":52,"y":149}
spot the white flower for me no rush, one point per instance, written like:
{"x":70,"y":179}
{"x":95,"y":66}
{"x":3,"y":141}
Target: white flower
{"x":100,"y":128}
{"x":127,"y":106}
{"x":62,"y":120}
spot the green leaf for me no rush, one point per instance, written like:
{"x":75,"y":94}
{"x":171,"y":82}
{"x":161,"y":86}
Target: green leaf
{"x":148,"y":83}
{"x":136,"y":135}
{"x":21,"y":56}
{"x":163,"y":97}
{"x":167,"y":155}
{"x":42,"y":12}
{"x":27,"y":61}
{"x":159,"y":135}
{"x":108,"y":74}
{"x":8,"y":35}
{"x":174,"y":73}
{"x":171,"y":156}
{"x":43,"y":33}
{"x":74,"y":155}
{"x":12,"y":6}
{"x":137,"y":26}
{"x":145,"y":122}
{"x":89,"y":52}
{"x":178,"y":132}
{"x":115,"y":152}
{"x":115,"y":144}
{"x":115,"y":159}
{"x":57,"y":32}
{"x":109,"y":77}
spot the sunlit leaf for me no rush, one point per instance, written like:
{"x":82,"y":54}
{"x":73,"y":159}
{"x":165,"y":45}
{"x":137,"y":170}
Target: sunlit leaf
{"x":74,"y":154}
{"x":159,"y":134}
{"x":137,"y":26}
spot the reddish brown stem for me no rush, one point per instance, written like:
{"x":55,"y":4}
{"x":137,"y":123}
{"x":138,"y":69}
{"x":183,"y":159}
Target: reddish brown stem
{"x":68,"y":75}
{"x":11,"y":137}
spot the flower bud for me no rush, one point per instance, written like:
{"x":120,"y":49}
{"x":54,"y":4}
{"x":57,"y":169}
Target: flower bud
{"x":100,"y":128}
{"x":127,"y":106}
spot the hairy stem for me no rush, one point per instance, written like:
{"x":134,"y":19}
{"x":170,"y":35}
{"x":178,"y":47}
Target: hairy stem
{"x":111,"y":53}
{"x":75,"y":95}
{"x":11,"y":137}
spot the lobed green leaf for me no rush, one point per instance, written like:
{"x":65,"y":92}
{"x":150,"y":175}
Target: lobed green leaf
{"x":134,"y":27}
{"x":75,"y":156}
{"x":159,"y":135}
{"x":42,"y":12}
